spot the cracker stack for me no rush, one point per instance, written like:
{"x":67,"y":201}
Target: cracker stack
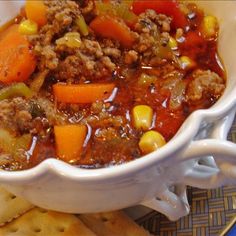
{"x":20,"y":218}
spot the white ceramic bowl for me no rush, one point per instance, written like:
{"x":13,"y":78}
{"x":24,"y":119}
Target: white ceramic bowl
{"x":159,"y":179}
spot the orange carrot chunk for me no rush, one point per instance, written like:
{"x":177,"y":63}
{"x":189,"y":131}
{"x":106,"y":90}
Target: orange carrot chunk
{"x":114,"y":28}
{"x":36,"y":11}
{"x":17,"y":62}
{"x":82,"y":93}
{"x":69,"y":141}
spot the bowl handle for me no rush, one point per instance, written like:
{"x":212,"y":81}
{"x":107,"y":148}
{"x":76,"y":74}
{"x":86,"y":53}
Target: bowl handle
{"x":172,"y":204}
{"x":208,"y":176}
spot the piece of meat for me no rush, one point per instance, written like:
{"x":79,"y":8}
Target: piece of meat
{"x":112,"y":52}
{"x":15,"y":115}
{"x":204,"y":83}
{"x":131,"y":57}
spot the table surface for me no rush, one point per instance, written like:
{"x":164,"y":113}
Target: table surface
{"x":211,"y":211}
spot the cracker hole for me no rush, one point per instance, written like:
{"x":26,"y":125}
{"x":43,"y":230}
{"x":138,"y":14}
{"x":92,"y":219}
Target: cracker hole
{"x":37,"y":230}
{"x":61,"y":230}
{"x":13,"y":197}
{"x":13,"y":230}
{"x":105,"y":219}
{"x":43,"y":211}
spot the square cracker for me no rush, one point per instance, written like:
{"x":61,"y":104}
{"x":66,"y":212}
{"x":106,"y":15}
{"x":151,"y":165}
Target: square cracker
{"x":115,"y":223}
{"x":11,"y":206}
{"x":39,"y":222}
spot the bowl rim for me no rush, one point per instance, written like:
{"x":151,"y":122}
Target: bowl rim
{"x":180,"y":141}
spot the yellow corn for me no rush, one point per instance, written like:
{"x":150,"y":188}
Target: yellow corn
{"x":28,"y":27}
{"x":209,"y":26}
{"x":142,"y":117}
{"x":172,"y":43}
{"x":187,"y":63}
{"x":151,"y":141}
{"x":71,"y":40}
{"x":146,"y":80}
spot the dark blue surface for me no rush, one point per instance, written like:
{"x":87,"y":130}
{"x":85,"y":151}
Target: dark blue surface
{"x":232,"y":231}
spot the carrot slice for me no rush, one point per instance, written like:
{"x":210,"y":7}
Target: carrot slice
{"x":36,"y":11}
{"x":69,"y":141}
{"x":82,"y":93}
{"x":113,"y":28}
{"x":17,"y":62}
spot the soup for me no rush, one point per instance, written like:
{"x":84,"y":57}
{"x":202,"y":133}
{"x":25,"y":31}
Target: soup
{"x":101,"y":83}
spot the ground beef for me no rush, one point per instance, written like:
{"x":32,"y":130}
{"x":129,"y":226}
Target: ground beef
{"x":120,"y":149}
{"x":96,"y":58}
{"x":205,"y":83}
{"x":131,"y":57}
{"x":88,"y":7}
{"x":92,"y":48}
{"x":48,"y":57}
{"x":112,"y":52}
{"x":15,"y":115}
{"x":23,"y":119}
{"x":53,"y":116}
{"x":60,"y":15}
{"x":152,"y":37}
{"x":18,"y":115}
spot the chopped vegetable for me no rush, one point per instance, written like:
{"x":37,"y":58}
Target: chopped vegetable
{"x":209,"y":27}
{"x":21,"y":143}
{"x":167,"y":7}
{"x":69,"y":141}
{"x":28,"y":27}
{"x":6,"y":141}
{"x":83,"y":28}
{"x":121,"y":10}
{"x":177,"y":95}
{"x":142,"y":117}
{"x":38,"y":81}
{"x":164,"y":52}
{"x":151,"y":141}
{"x":36,"y":11}
{"x":11,"y":145}
{"x":82,"y":93}
{"x":172,"y":43}
{"x":104,"y":8}
{"x":113,"y":28}
{"x":187,"y":63}
{"x":71,"y":40}
{"x":36,"y":110}
{"x":17,"y":62}
{"x":19,"y":89}
{"x":146,"y":80}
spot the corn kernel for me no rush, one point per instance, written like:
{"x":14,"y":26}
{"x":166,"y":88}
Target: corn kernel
{"x":28,"y":27}
{"x":146,"y":80}
{"x":187,"y":63}
{"x":142,"y":117}
{"x":71,"y":40}
{"x":151,"y":141}
{"x":209,"y":27}
{"x":172,"y":43}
